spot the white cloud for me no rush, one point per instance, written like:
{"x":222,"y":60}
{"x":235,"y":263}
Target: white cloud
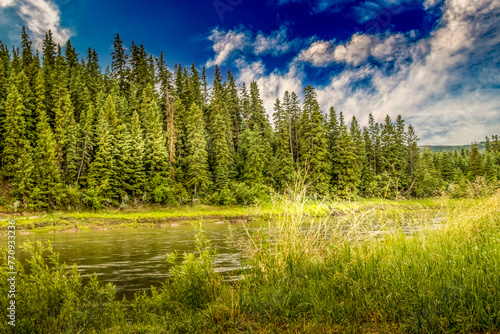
{"x":38,"y":16}
{"x":319,"y":54}
{"x":356,"y":51}
{"x":226,"y":42}
{"x":276,"y":43}
{"x":271,"y":85}
{"x":446,"y":84}
{"x":421,"y":90}
{"x":6,"y":3}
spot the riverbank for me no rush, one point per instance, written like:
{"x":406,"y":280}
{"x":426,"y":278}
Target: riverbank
{"x":305,"y":276}
{"x":74,"y":221}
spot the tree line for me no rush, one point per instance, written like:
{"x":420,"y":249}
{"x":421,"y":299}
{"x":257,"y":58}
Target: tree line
{"x":73,"y":135}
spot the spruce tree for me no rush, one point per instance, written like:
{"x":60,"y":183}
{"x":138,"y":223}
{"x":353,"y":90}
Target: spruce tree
{"x":413,"y":151}
{"x":447,"y":169}
{"x":86,"y":141}
{"x":17,"y":152}
{"x":138,"y":176}
{"x":197,"y":173}
{"x":475,"y":163}
{"x":156,"y":155}
{"x":233,"y":106}
{"x":283,"y":154}
{"x":220,"y":153}
{"x":102,"y":176}
{"x":119,"y":63}
{"x":24,"y":89}
{"x":245,"y":103}
{"x":47,"y":174}
{"x":347,"y":171}
{"x":314,"y":145}
{"x":254,"y":160}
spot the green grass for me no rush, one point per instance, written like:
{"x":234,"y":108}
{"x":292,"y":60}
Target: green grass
{"x":307,"y":274}
{"x":151,"y":216}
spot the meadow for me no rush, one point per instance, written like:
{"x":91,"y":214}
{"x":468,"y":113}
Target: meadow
{"x":374,"y":266}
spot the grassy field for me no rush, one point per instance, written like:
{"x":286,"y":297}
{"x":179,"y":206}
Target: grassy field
{"x":363,"y":272}
{"x":43,"y":222}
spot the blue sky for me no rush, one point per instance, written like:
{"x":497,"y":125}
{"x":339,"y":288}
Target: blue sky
{"x":436,"y":62}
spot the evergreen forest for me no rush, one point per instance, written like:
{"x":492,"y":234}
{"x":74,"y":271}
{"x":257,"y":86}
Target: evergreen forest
{"x":75,"y":135}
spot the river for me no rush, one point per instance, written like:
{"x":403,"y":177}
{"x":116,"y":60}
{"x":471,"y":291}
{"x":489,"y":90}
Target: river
{"x":133,"y":259}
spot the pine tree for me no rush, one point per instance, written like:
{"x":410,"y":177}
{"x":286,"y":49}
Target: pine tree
{"x":119,"y":63}
{"x":447,"y":169}
{"x":283,"y":154}
{"x":86,"y":142}
{"x":197,"y":173}
{"x":156,"y":154}
{"x":400,"y":153}
{"x":413,"y":151}
{"x":388,"y":143}
{"x":102,"y":171}
{"x":314,"y":145}
{"x":254,"y":162}
{"x":204,"y":86}
{"x":17,"y":152}
{"x":71,"y":57}
{"x":47,"y":175}
{"x":27,"y":53}
{"x":93,"y":73}
{"x":24,"y":89}
{"x":195,"y":94}
{"x":373,"y":149}
{"x":347,"y":175}
{"x":475,"y":163}
{"x":362,"y":165}
{"x":233,"y":106}
{"x":138,"y":176}
{"x":220,"y":153}
{"x":428,"y":182}
{"x":257,"y":113}
{"x":49,"y":61}
{"x":164,"y":78}
{"x":333,"y":135}
{"x":245,"y":103}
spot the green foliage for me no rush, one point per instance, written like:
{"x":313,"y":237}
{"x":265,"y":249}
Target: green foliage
{"x":294,"y":278}
{"x":313,"y":144}
{"x":197,"y":157}
{"x":17,"y":157}
{"x":48,"y":187}
{"x":284,"y":151}
{"x":131,"y":132}
{"x":194,"y":282}
{"x":53,"y":299}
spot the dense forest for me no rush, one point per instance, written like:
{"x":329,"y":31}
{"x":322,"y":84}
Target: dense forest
{"x":75,"y":136}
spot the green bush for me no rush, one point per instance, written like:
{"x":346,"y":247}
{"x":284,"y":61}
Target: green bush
{"x":53,"y":298}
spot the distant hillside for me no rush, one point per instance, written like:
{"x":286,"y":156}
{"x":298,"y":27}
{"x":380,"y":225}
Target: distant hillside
{"x":450,"y":148}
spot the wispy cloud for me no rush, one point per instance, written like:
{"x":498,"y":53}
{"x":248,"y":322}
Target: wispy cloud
{"x":445,"y":84}
{"x":276,"y":43}
{"x":226,"y":43}
{"x":38,"y":16}
{"x":357,"y":50}
{"x":6,"y":3}
{"x":272,"y":85}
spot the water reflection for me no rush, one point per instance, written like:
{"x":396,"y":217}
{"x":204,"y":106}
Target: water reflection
{"x":134,"y":259}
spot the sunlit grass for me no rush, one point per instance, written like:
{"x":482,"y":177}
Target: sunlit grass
{"x":375,"y":266}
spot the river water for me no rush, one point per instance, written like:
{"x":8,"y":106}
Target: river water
{"x":133,"y":259}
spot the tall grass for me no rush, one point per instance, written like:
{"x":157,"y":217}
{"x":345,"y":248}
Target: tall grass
{"x":313,"y":271}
